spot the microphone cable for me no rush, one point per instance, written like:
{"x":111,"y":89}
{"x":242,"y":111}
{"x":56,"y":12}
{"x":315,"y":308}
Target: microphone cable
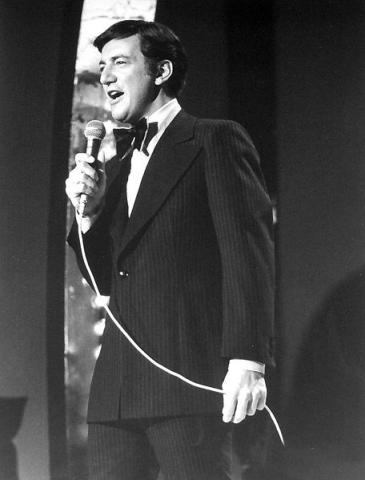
{"x":141,"y":351}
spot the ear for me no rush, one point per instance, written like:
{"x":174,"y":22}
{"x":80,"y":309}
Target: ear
{"x":164,"y":71}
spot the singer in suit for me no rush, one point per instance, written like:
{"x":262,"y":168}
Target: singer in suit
{"x":178,"y":232}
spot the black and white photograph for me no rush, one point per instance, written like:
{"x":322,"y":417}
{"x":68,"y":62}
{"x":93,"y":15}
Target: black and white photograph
{"x":182,"y":251}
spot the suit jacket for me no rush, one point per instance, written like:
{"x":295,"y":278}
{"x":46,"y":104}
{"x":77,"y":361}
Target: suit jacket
{"x":190,"y":274}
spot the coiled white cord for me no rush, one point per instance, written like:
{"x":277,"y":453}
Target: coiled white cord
{"x":143,"y":353}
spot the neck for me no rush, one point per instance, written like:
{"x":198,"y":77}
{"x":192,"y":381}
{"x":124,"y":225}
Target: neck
{"x":161,"y":100}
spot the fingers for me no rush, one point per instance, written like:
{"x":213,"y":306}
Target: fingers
{"x":229,"y":406}
{"x":83,"y":165}
{"x":251,"y":401}
{"x":82,"y":179}
{"x":252,"y":407}
{"x":248,"y":402}
{"x":263,"y":396}
{"x":231,"y":387}
{"x":84,"y":157}
{"x":243,"y":398}
{"x":80,"y":182}
{"x":84,"y":171}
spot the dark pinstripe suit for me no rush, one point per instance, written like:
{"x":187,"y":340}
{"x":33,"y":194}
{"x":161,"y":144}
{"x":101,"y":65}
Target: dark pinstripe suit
{"x":199,"y":257}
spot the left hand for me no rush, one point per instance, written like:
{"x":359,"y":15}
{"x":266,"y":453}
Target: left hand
{"x":244,"y":393}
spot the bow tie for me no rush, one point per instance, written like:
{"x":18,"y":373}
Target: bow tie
{"x":142,"y":133}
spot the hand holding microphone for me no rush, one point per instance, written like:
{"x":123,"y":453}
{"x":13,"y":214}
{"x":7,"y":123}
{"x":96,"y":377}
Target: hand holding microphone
{"x":85,"y":185}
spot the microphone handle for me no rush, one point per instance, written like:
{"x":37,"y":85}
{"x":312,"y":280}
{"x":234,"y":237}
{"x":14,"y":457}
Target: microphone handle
{"x":92,"y":149}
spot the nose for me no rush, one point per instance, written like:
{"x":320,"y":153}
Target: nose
{"x":107,"y":76}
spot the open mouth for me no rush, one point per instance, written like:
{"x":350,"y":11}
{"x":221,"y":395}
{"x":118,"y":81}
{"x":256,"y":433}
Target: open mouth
{"x":114,"y":95}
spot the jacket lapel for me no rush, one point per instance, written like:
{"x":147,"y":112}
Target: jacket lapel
{"x":172,"y":156}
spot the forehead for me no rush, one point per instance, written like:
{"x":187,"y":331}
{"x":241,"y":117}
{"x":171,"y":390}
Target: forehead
{"x":127,"y":47}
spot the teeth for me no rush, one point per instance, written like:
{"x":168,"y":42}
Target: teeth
{"x":113,"y":94}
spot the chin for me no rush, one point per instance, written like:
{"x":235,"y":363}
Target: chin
{"x":119,"y":118}
{"x":119,"y":115}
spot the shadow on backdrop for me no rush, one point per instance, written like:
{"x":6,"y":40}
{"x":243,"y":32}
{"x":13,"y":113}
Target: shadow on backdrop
{"x":326,"y":420}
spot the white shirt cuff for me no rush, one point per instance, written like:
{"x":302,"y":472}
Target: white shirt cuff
{"x":239,"y":364}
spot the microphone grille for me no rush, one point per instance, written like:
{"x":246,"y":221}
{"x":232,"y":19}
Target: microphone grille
{"x":95,"y":129}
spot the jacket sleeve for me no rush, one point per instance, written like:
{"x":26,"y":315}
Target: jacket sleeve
{"x":242,"y":216}
{"x":97,"y":239}
{"x":97,"y":247}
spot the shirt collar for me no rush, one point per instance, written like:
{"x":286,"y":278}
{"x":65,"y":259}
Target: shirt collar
{"x":164,"y":115}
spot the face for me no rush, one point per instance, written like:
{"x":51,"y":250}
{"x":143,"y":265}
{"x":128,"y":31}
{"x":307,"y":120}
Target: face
{"x":127,"y":82}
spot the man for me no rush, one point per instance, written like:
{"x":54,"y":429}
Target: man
{"x":178,"y":233}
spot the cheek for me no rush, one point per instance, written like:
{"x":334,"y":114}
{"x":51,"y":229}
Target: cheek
{"x":141,"y":92}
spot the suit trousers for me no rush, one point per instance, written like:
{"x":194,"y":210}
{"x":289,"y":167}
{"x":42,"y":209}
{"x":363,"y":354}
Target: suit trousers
{"x":168,"y":448}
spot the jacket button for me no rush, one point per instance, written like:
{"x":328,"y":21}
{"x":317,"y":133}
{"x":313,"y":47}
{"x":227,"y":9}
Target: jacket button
{"x":123,"y":274}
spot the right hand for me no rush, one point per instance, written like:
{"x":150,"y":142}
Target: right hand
{"x":84,"y":179}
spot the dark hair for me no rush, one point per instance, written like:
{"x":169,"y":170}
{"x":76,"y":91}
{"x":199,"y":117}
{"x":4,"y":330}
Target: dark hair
{"x":158,"y":42}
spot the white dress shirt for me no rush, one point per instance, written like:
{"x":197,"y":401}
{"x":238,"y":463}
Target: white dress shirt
{"x":163,"y":116}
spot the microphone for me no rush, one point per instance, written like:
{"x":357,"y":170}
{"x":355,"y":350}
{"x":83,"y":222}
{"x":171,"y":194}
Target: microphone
{"x":94,"y":133}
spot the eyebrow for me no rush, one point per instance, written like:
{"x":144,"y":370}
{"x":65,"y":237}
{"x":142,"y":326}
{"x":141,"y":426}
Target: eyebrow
{"x":115,"y":57}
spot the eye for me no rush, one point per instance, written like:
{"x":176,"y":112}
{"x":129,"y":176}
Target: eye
{"x":120,"y":61}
